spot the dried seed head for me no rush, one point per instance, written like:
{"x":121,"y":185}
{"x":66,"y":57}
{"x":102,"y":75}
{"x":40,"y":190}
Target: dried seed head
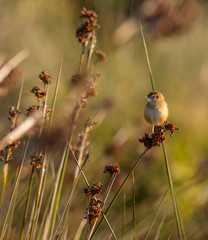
{"x":13,"y":113}
{"x":76,"y":78}
{"x":112,"y":169}
{"x":157,"y":137}
{"x":85,"y":31}
{"x":38,"y":92}
{"x":36,"y":161}
{"x":93,"y":190}
{"x":94,"y":209}
{"x":46,"y":78}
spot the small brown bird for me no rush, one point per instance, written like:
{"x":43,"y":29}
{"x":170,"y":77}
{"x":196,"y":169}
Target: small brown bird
{"x":156,"y":109}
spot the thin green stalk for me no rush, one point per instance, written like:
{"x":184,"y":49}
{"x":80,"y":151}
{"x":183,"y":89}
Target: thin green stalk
{"x":147,"y":57}
{"x":5,"y":173}
{"x":58,"y":195}
{"x":44,"y":215}
{"x":81,"y":59}
{"x":124,"y":215}
{"x":119,"y":190}
{"x":54,"y":194}
{"x":43,"y":172}
{"x":12,"y":212}
{"x":55,"y":95}
{"x":156,"y":215}
{"x":27,"y":202}
{"x":159,"y":229}
{"x":172,"y":193}
{"x":134,"y":206}
{"x":67,"y":203}
{"x":41,"y":196}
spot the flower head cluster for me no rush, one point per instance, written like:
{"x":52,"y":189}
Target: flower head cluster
{"x":112,"y":169}
{"x":45,"y":77}
{"x":93,"y":190}
{"x":157,"y":137}
{"x":13,"y":113}
{"x":38,"y":92}
{"x":94,"y":209}
{"x":36,"y":161}
{"x":34,"y":108}
{"x":85,"y":31}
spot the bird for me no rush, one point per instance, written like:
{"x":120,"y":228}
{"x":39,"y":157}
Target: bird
{"x":156,"y":109}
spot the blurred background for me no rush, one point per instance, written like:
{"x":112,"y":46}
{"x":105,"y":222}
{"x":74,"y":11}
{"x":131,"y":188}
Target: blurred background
{"x":177,"y":41}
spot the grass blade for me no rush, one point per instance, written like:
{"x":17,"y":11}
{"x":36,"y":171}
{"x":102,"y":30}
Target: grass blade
{"x":156,"y":215}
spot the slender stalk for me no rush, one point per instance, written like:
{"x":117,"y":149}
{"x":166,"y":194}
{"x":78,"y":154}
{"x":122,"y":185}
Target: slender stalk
{"x":44,"y":215}
{"x":134,"y":207}
{"x":147,"y":56}
{"x":124,"y":215}
{"x":58,"y":195}
{"x":41,"y":197}
{"x":156,"y":215}
{"x":119,"y":190}
{"x":81,"y":59}
{"x":159,"y":229}
{"x":80,"y":229}
{"x":67,"y":203}
{"x":49,"y":217}
{"x":172,"y":192}
{"x":12,"y":211}
{"x":27,"y":202}
{"x":43,"y":172}
{"x":92,"y":46}
{"x":55,"y":95}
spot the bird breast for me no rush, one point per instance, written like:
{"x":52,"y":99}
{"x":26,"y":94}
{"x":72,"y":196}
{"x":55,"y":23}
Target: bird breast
{"x":156,"y":113}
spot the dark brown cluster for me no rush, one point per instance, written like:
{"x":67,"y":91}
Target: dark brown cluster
{"x":153,"y":139}
{"x":13,"y":113}
{"x":157,"y":137}
{"x":14,"y":144}
{"x":34,"y":108}
{"x":46,"y":78}
{"x":85,"y":31}
{"x":38,"y":92}
{"x":94,"y":209}
{"x":93,"y":190}
{"x":101,"y":56}
{"x":112,"y":169}
{"x":76,"y":78}
{"x":36,"y":161}
{"x":170,"y":127}
{"x":9,"y":150}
